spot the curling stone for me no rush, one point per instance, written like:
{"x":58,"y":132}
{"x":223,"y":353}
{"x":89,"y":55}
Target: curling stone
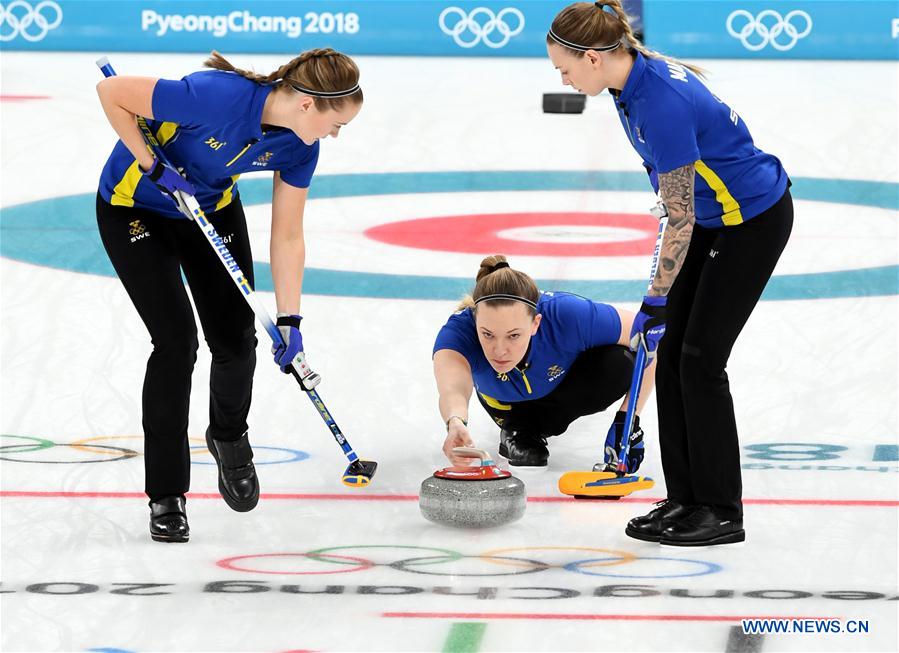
{"x":564,"y":102}
{"x":472,"y":497}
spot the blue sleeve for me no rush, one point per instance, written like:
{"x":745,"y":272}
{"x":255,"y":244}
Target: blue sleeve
{"x":592,"y":323}
{"x":300,"y":175}
{"x":199,"y":98}
{"x":459,"y":335}
{"x":671,"y":134}
{"x":653,"y":176}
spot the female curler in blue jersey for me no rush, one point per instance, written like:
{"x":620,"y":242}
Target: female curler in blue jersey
{"x":213,"y":126}
{"x":537,"y":361}
{"x":730,"y":216}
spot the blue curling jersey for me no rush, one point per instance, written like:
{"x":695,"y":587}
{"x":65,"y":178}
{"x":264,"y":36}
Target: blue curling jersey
{"x":571,"y":324}
{"x":673,"y":120}
{"x":209,"y":123}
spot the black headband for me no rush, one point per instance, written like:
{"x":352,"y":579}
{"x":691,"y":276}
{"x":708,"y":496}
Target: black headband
{"x":514,"y":298}
{"x":325,"y":94}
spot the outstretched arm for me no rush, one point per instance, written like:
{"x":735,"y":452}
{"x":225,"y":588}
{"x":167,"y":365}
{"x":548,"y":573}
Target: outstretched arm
{"x":287,"y":247}
{"x":454,"y":385}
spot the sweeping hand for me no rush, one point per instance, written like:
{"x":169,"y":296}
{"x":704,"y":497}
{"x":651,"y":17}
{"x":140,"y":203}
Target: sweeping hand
{"x":168,"y":180}
{"x":650,"y":323}
{"x":457,"y":435}
{"x":613,"y":444}
{"x":289,"y":353}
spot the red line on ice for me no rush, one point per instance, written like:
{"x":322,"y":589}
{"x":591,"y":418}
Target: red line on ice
{"x":871,"y":503}
{"x":604,"y":617}
{"x":21,"y":98}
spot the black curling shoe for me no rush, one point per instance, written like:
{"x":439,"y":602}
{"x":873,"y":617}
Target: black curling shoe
{"x":237,"y":475}
{"x":168,"y":520}
{"x":702,"y":527}
{"x":523,"y":449}
{"x":649,"y":527}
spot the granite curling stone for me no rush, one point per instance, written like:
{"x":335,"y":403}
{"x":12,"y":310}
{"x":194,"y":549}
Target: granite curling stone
{"x":472,"y":497}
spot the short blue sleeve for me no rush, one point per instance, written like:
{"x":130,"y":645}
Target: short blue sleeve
{"x":459,"y":335}
{"x":671,"y":134}
{"x":201,"y":98}
{"x":300,"y":175}
{"x":592,"y":324}
{"x":653,"y":176}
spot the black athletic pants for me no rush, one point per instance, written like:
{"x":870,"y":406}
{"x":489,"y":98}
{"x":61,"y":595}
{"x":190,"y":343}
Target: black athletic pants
{"x":720,"y":283}
{"x":149,"y":252}
{"x":597,"y":378}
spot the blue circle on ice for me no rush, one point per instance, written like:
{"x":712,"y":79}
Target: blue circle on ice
{"x":294,"y":455}
{"x":61,"y":233}
{"x":705,"y":568}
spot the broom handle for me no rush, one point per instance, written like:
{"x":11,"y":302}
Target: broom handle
{"x":637,"y":378}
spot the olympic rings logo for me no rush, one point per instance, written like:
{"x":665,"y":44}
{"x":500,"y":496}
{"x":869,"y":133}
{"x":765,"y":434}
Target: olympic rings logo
{"x":21,"y":23}
{"x":107,"y":453}
{"x":481,"y":31}
{"x":493,"y":563}
{"x":769,"y":33}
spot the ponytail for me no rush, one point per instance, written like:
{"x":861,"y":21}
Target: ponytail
{"x":495,"y":277}
{"x":602,"y":25}
{"x":321,"y":70}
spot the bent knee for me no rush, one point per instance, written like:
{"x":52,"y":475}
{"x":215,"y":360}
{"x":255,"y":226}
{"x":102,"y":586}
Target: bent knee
{"x":699,"y":365}
{"x":241,"y":346}
{"x":180,"y":345}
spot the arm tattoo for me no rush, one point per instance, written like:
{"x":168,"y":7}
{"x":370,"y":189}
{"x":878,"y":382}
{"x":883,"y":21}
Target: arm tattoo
{"x":676,"y":188}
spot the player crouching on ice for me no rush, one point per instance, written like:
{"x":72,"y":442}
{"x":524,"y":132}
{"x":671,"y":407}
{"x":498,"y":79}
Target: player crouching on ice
{"x":538,"y":360}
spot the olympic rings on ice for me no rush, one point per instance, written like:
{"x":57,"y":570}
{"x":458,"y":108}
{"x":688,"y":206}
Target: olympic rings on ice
{"x":404,"y":565}
{"x":363,"y":557}
{"x":293,"y":455}
{"x":41,"y":444}
{"x":620,"y":557}
{"x":105,"y":453}
{"x":232,"y":564}
{"x":706,"y":568}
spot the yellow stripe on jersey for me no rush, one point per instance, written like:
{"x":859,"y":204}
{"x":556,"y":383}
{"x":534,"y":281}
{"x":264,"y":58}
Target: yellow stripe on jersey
{"x":526,"y":384}
{"x":239,"y":154}
{"x":730,"y":208}
{"x":226,"y":196}
{"x":123,"y":193}
{"x":493,"y":403}
{"x":166,"y":131}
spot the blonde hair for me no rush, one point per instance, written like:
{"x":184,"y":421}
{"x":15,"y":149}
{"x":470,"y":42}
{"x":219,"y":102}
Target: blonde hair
{"x":502,"y":280}
{"x":323,"y":69}
{"x":588,"y":24}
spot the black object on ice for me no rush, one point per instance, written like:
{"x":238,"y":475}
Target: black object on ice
{"x":564,"y":102}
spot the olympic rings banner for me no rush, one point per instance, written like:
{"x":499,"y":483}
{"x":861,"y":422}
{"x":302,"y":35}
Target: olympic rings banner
{"x":379,"y":27}
{"x":794,"y":29}
{"x":797,"y":29}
